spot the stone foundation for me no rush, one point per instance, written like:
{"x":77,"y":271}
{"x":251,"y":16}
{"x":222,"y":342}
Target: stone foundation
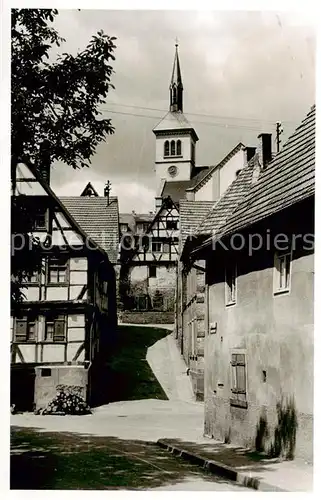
{"x":48,"y":378}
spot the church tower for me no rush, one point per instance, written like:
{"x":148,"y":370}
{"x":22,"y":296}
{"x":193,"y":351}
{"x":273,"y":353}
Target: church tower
{"x":175,"y":136}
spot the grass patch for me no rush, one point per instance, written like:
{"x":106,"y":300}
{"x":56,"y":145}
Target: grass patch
{"x":127,"y":375}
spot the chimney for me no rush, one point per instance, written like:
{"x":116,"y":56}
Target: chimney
{"x":190,"y":195}
{"x":107,"y":191}
{"x":249,"y":152}
{"x":265,"y":149}
{"x":45,"y":174}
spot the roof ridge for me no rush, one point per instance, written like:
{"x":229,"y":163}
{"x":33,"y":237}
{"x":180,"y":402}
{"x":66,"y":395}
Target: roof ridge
{"x":218,"y":165}
{"x":231,"y":189}
{"x":292,"y":172}
{"x":65,"y":210}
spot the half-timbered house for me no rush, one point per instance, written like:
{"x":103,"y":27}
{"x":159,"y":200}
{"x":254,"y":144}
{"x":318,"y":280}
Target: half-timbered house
{"x":152,"y":270}
{"x":67,"y":319}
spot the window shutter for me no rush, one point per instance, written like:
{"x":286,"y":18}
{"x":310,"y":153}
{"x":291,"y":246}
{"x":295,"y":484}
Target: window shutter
{"x":21,"y":329}
{"x":59,"y":331}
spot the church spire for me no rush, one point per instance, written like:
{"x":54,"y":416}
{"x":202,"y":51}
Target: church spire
{"x":176,"y":86}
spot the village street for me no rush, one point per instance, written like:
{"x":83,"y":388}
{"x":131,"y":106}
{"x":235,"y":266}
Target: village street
{"x":115,"y":447}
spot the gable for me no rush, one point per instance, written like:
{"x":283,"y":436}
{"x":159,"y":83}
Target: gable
{"x":26,"y":182}
{"x":89,"y":190}
{"x":53,"y":223}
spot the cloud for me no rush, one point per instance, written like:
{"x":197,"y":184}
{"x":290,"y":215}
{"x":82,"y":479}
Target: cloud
{"x":130,"y":194}
{"x":245,"y":69}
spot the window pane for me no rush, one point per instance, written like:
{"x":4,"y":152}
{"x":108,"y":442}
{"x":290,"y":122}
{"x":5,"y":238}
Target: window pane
{"x":287,"y":270}
{"x":282,"y":270}
{"x":49,"y":331}
{"x":234,"y":384}
{"x":53,"y":276}
{"x":62,"y":277}
{"x":240,"y":376}
{"x":240,"y":358}
{"x":31,"y":331}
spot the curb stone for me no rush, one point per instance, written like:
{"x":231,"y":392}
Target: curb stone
{"x":219,"y":468}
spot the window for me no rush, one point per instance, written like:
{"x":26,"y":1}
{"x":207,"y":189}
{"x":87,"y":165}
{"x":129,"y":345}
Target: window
{"x":230,"y":285}
{"x":57,"y":270}
{"x":193,"y":337}
{"x":55,"y":328}
{"x":166,"y":247}
{"x":193,"y":152}
{"x":171,"y":224}
{"x":158,"y":301}
{"x":173,"y":148}
{"x":40,"y":221}
{"x":156,"y":246}
{"x":174,"y":94}
{"x":141,"y":302}
{"x":25,"y":329}
{"x":282,"y":272}
{"x":238,"y":380}
{"x":33,"y":277}
{"x":124,"y":228}
{"x":46,"y":372}
{"x":152,"y":271}
{"x":166,"y":148}
{"x":178,"y":148}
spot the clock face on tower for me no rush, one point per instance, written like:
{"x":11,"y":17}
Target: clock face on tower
{"x":172,"y":170}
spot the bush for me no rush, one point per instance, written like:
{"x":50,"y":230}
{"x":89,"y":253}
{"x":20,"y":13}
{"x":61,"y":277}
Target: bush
{"x":67,"y":402}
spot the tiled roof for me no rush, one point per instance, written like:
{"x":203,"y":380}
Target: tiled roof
{"x":223,"y":208}
{"x":99,"y":221}
{"x":131,"y":219}
{"x":191,"y":213}
{"x":67,"y":213}
{"x":176,"y":189}
{"x":208,"y":173}
{"x":174,"y":120}
{"x":288,"y":179}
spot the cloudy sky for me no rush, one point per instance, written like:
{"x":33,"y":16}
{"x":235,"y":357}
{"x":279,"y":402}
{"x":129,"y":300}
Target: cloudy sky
{"x":242,"y":72}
